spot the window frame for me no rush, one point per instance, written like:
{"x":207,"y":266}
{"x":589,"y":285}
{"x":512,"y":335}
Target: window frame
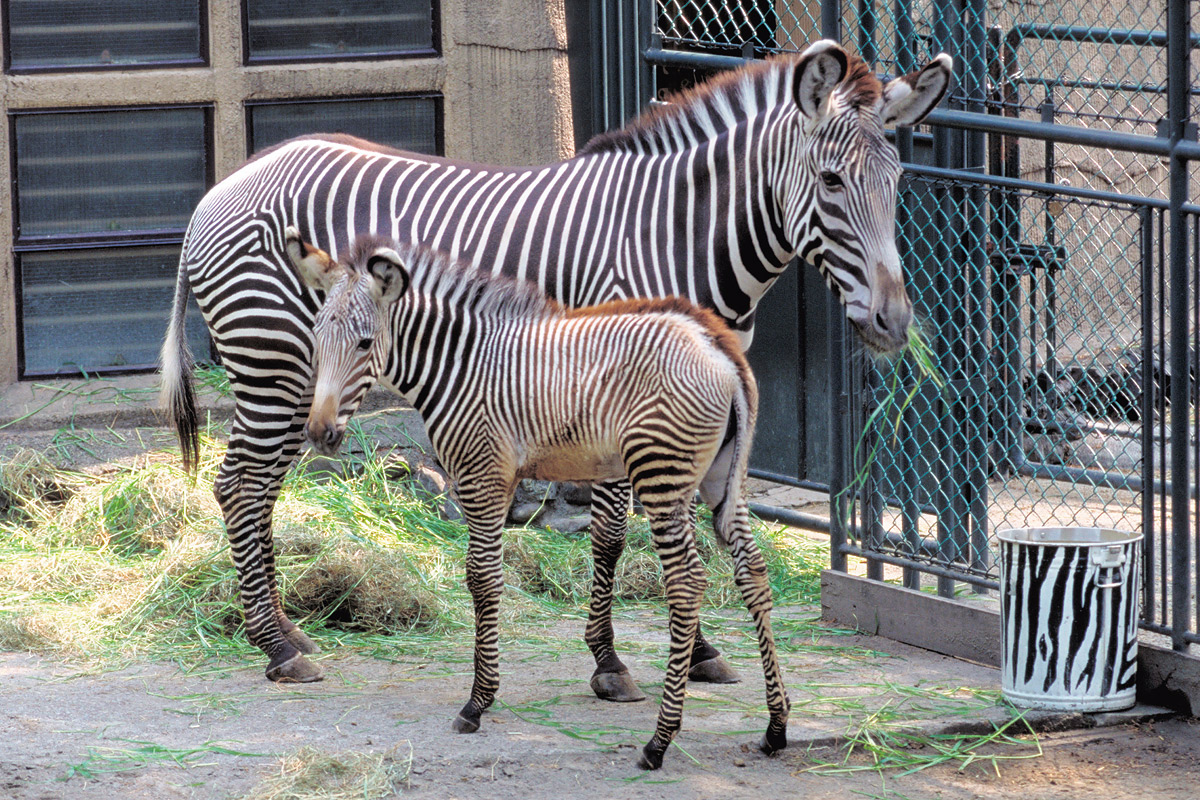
{"x":42,"y":243}
{"x":249,"y":60}
{"x":436,"y":97}
{"x":203,"y":59}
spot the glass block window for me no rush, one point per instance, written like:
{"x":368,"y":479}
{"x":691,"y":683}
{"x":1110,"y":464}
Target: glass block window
{"x":52,"y":34}
{"x":102,"y":201}
{"x":102,"y":309}
{"x":108,"y":171}
{"x":291,"y":30}
{"x":409,"y":123}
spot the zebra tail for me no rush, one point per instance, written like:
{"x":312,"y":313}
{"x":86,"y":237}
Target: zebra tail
{"x":745,"y":412}
{"x":177,"y":396}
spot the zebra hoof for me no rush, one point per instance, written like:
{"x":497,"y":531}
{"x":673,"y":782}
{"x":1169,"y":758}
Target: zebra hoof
{"x":616,"y":687}
{"x":296,"y":669}
{"x":714,"y":670}
{"x":651,"y":756}
{"x":463,"y":725}
{"x":773,"y":740}
{"x":299,"y":639}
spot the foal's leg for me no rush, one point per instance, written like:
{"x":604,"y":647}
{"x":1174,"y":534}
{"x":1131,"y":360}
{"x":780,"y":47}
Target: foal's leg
{"x":485,"y":505}
{"x":750,"y":573}
{"x":611,"y":680}
{"x":683,"y":574}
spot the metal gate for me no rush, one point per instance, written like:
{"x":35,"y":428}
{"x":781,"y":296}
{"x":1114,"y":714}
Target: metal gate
{"x":1051,"y":251}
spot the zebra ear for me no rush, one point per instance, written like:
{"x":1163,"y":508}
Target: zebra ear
{"x":316,"y":267}
{"x":389,"y":273}
{"x":820,"y":68}
{"x":908,"y":99}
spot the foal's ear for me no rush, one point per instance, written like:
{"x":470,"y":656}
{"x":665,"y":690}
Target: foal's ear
{"x":819,"y":70}
{"x":385,"y":266}
{"x":908,"y":99}
{"x":315,"y":266}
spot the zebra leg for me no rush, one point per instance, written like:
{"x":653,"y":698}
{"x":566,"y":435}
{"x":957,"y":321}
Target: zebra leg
{"x":485,"y":507}
{"x":750,"y":573}
{"x":683,"y":574}
{"x":246,"y":487}
{"x":611,"y":680}
{"x":291,"y":448}
{"x":708,"y":665}
{"x":266,"y":541}
{"x":610,"y":509}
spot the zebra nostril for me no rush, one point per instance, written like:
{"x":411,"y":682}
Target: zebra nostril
{"x":880,"y":322}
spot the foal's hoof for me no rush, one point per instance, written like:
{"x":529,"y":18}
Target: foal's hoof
{"x":651,"y":756}
{"x":715,"y":670}
{"x":299,"y":640}
{"x":774,"y":740}
{"x":295,"y":669}
{"x":463,"y":725}
{"x":617,"y":687}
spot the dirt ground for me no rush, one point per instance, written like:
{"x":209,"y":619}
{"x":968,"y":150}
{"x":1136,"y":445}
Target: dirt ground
{"x":160,"y":730}
{"x":156,"y":731}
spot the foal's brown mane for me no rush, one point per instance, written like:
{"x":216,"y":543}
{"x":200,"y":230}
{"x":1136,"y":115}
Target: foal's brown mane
{"x":859,"y":88}
{"x":714,"y":326}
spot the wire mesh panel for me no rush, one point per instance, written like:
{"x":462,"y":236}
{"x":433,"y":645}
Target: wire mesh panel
{"x":1051,"y":254}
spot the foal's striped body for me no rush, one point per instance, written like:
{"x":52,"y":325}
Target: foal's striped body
{"x":511,"y":385}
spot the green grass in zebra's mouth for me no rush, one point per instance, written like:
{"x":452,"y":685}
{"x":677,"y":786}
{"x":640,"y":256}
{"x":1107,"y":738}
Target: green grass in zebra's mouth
{"x":903,"y":376}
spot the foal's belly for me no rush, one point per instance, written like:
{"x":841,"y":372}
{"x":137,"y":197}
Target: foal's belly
{"x":572,"y":465}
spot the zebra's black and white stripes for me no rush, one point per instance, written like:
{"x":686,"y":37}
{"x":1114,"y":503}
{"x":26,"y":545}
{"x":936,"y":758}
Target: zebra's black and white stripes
{"x":643,"y":388}
{"x":709,"y":199}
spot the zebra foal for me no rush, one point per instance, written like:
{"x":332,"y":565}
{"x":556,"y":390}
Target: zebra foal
{"x":511,"y":385}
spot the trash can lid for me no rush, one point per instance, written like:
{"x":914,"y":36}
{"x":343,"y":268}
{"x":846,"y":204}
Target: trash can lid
{"x":1068,"y":536}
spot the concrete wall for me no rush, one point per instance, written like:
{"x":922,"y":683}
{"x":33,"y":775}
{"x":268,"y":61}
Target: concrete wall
{"x":503,"y":75}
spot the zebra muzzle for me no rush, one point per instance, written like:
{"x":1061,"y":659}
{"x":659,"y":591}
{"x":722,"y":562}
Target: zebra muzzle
{"x":323,"y":437}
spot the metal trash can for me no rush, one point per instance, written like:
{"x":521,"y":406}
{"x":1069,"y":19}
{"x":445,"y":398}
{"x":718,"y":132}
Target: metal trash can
{"x":1069,"y":617}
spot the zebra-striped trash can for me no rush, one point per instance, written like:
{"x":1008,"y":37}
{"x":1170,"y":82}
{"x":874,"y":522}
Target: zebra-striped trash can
{"x":1069,"y":617}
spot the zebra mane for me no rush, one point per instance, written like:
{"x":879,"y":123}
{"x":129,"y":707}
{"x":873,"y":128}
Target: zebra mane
{"x":435,"y":273}
{"x":727,"y":99}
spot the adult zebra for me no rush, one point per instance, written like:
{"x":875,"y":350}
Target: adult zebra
{"x":709,"y":198}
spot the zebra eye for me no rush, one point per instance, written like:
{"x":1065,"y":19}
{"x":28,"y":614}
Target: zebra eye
{"x":831,"y":179}
{"x":365,"y":344}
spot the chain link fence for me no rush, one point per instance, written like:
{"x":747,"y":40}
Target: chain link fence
{"x":1041,"y":266}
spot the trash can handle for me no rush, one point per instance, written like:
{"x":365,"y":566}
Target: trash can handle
{"x":1109,"y":559}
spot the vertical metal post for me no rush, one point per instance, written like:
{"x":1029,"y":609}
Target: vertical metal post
{"x":831,"y":23}
{"x":838,"y":509}
{"x":1178,"y":95}
{"x":943,"y":145}
{"x":1006,"y":284}
{"x":867,"y":23}
{"x":910,"y":481}
{"x":645,"y":17}
{"x":1149,"y":534}
{"x":831,"y":19}
{"x":1054,"y":404}
{"x":975,"y":242}
{"x":604,"y":66}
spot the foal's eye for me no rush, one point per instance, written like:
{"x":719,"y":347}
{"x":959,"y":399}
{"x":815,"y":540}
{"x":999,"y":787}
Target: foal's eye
{"x":365,"y":344}
{"x":831,"y":179}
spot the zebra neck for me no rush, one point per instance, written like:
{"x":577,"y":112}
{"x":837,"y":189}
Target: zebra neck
{"x":703,"y":223}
